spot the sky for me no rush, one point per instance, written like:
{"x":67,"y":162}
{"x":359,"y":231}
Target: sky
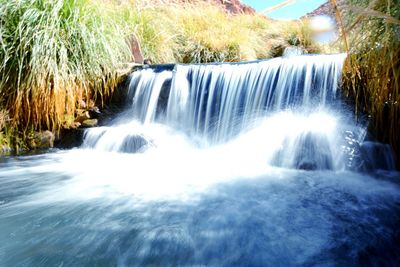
{"x":293,"y":11}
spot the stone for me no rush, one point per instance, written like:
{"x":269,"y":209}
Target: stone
{"x":90,"y":123}
{"x":94,"y":112}
{"x":41,"y":140}
{"x":136,"y":50}
{"x":135,"y":144}
{"x":82,"y":117}
{"x":377,"y":156}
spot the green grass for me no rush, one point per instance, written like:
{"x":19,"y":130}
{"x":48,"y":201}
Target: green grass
{"x":56,"y":53}
{"x":201,"y":32}
{"x":53,"y":54}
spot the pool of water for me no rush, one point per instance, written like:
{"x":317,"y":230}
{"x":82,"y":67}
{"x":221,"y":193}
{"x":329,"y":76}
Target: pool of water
{"x":83,"y":207}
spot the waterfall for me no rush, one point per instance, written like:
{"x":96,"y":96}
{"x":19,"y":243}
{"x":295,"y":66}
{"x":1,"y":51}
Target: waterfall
{"x":221,"y":100}
{"x":242,"y":164}
{"x":287,"y":109}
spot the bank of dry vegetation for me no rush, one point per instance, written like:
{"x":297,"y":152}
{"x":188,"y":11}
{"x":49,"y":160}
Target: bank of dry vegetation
{"x":57,"y":54}
{"x":372,"y":75}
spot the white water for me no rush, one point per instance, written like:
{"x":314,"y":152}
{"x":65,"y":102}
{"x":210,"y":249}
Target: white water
{"x":283,"y":111}
{"x":178,"y":180}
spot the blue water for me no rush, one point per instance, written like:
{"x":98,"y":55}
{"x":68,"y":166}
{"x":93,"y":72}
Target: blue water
{"x":253,"y":164}
{"x":56,"y":214}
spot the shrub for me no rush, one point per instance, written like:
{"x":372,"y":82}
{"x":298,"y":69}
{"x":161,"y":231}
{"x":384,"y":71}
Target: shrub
{"x":53,"y":54}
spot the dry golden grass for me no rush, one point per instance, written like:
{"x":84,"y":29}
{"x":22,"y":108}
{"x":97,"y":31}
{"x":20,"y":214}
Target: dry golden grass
{"x":373,"y":70}
{"x":55,"y":53}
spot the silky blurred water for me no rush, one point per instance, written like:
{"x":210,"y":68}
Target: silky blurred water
{"x":190,"y":207}
{"x":255,"y":164}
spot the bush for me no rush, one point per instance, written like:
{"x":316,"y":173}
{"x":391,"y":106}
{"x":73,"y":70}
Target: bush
{"x":53,"y":54}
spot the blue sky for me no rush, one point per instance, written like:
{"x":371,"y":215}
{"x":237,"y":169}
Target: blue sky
{"x":293,"y":11}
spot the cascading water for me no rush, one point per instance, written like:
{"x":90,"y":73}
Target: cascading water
{"x":201,"y":169}
{"x":291,"y":102}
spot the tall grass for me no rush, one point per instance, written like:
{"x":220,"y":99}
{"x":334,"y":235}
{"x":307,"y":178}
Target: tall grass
{"x":56,"y":53}
{"x":372,"y":77}
{"x":200,"y":32}
{"x":53,"y":54}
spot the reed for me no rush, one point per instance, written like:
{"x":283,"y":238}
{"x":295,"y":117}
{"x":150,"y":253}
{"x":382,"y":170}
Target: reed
{"x":55,"y":53}
{"x":372,"y":77}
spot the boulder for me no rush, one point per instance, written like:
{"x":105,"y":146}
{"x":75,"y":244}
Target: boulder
{"x":41,"y":140}
{"x":94,"y":112}
{"x":135,"y":143}
{"x":82,"y":115}
{"x":90,"y":123}
{"x":377,"y":156}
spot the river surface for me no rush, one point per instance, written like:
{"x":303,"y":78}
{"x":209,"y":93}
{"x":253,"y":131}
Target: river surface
{"x":83,"y":207}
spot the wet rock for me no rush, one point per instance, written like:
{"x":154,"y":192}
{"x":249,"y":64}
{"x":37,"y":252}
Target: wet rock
{"x":135,"y":144}
{"x":307,"y":166}
{"x":94,"y":113}
{"x":69,"y":138}
{"x":308,"y":151}
{"x":82,"y":115}
{"x":90,"y":123}
{"x":41,"y":140}
{"x":377,"y":156}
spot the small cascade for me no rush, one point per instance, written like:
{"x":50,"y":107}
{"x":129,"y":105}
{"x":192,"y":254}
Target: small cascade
{"x":127,"y":134}
{"x":219,"y":101}
{"x":292,"y":102}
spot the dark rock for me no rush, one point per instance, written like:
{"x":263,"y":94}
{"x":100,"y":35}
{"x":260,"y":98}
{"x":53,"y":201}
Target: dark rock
{"x":313,"y":153}
{"x":69,"y":138}
{"x":309,"y":151}
{"x":94,"y":113}
{"x":135,"y":144}
{"x":307,"y":166}
{"x":377,"y":156}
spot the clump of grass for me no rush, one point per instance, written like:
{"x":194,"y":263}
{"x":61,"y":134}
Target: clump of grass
{"x":53,"y":54}
{"x":373,"y":73}
{"x":4,"y":119}
{"x":200,"y":32}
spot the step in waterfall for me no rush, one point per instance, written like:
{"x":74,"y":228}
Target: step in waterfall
{"x":287,"y":110}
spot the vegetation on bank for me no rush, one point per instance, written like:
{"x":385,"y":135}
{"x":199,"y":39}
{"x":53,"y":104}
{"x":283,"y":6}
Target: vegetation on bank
{"x":372,"y":79}
{"x":57,"y":54}
{"x":53,"y":55}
